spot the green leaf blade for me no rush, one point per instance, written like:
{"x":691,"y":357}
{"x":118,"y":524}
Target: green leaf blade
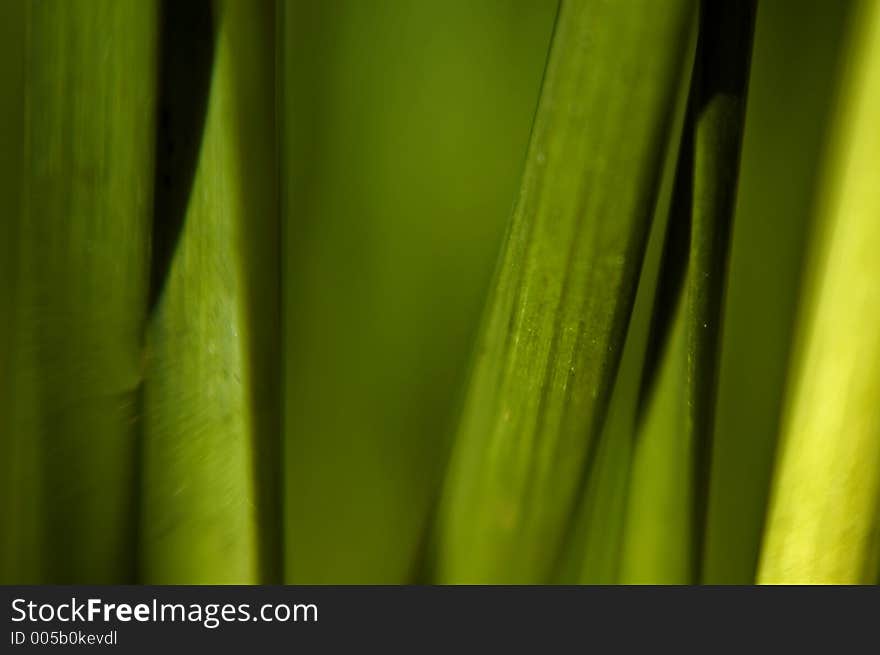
{"x":667,"y":512}
{"x":556,"y":321}
{"x":81,"y":285}
{"x":824,"y":518}
{"x":207,"y":504}
{"x":794,"y":72}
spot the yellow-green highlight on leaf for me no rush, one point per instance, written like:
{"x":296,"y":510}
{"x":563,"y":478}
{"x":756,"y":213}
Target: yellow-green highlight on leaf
{"x":658,"y":517}
{"x":202,"y":506}
{"x":404,"y":127}
{"x":823,"y":521}
{"x":82,"y":244}
{"x":793,"y":70}
{"x":556,"y":320}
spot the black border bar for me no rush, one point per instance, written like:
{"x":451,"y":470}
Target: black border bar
{"x":470,"y":619}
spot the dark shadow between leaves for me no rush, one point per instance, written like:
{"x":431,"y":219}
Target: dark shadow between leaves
{"x":186,"y":56}
{"x":673,"y":265}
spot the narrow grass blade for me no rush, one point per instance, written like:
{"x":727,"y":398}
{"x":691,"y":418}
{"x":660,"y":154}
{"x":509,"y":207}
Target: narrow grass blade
{"x":666,"y":513}
{"x":794,"y":66}
{"x":593,"y":547}
{"x":81,"y":286}
{"x":557,"y":317}
{"x":592,"y":550}
{"x":205,"y":425}
{"x":824,"y":519}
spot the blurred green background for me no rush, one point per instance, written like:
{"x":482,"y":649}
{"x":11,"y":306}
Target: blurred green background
{"x":407,"y":124}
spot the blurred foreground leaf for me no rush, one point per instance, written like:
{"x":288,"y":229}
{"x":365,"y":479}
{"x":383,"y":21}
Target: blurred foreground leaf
{"x":824,"y":517}
{"x":793,"y":71}
{"x":82,"y":238}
